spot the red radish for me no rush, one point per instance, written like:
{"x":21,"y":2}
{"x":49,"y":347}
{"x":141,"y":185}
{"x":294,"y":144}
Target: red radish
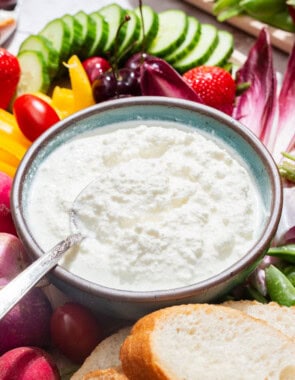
{"x":6,"y":222}
{"x":13,"y":258}
{"x":28,"y":323}
{"x":95,"y":66}
{"x":28,"y":363}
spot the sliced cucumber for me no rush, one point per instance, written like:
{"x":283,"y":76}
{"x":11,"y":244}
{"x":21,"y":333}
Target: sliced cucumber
{"x":173,"y":26}
{"x":200,"y":53}
{"x":76,"y":38}
{"x":101,"y":34}
{"x":114,"y":16}
{"x":44,"y":46}
{"x":59,"y":34}
{"x":190,"y":41}
{"x":223,"y":50}
{"x":88,"y":32}
{"x":34,"y":73}
{"x":132,"y":34}
{"x":150,"y":27}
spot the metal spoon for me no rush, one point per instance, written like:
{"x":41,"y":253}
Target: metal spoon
{"x":17,"y":288}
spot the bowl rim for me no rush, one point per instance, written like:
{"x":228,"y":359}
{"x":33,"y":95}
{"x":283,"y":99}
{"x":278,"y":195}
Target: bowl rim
{"x":62,"y":274}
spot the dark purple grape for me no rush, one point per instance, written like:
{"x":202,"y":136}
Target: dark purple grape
{"x":105,"y":87}
{"x":128,"y":82}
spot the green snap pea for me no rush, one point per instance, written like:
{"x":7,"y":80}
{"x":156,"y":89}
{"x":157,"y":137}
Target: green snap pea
{"x":284,"y":252}
{"x":264,"y":8}
{"x":279,"y":288}
{"x":281,"y":20}
{"x":289,"y":272}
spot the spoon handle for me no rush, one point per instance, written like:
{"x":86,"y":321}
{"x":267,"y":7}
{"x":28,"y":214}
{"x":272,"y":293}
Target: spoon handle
{"x":17,"y":288}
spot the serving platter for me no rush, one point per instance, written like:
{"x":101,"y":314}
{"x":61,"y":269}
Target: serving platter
{"x":279,"y":38}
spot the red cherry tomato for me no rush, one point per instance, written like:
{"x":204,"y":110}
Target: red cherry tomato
{"x":75,"y":331}
{"x":34,"y":116}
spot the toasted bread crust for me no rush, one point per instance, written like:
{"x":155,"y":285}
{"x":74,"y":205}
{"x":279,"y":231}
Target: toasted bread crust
{"x":141,"y":360}
{"x":105,"y":374}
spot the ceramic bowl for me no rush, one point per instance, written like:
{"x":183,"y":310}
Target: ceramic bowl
{"x":133,"y":304}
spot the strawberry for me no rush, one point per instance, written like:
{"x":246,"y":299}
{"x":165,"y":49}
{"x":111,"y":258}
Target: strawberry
{"x":214,"y":85}
{"x":9,"y":76}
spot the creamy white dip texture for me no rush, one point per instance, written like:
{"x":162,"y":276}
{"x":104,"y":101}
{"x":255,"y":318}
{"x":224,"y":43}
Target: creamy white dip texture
{"x":170,"y":207}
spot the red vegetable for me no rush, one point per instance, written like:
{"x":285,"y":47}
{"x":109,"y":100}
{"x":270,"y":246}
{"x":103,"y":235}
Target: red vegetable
{"x":34,"y":116}
{"x":9,"y":76}
{"x":6,"y":222}
{"x":13,"y":258}
{"x":28,"y":323}
{"x":28,"y":363}
{"x":158,"y":78}
{"x":256,"y":107}
{"x":75,"y":331}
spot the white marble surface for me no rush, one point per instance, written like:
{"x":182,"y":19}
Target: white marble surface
{"x":34,"y":14}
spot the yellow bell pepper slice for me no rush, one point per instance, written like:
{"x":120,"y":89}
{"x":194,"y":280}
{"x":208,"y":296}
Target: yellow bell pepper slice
{"x":80,"y":83}
{"x":12,"y":146}
{"x":8,"y":169}
{"x":8,"y":158}
{"x":63,"y":101}
{"x":8,"y":126}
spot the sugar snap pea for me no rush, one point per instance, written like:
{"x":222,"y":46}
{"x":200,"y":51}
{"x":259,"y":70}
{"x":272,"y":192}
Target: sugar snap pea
{"x":280,"y":289}
{"x":263,"y":8}
{"x":284,"y":252}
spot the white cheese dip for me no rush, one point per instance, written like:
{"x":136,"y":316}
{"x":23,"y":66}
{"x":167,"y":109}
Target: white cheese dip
{"x":171,"y":207}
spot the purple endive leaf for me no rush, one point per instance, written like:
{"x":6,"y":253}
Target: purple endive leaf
{"x":256,"y":107}
{"x":158,"y":78}
{"x":284,"y":140}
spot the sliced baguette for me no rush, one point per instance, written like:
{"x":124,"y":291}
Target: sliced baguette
{"x":280,"y":317}
{"x":104,"y":356}
{"x":206,"y":342}
{"x":106,"y":374}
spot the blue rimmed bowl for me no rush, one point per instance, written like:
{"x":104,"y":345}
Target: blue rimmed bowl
{"x":133,"y":304}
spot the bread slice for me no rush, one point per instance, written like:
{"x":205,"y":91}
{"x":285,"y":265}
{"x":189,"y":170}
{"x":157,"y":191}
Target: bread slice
{"x":280,"y":317}
{"x":106,"y":374}
{"x":104,"y":356}
{"x":209,"y":342}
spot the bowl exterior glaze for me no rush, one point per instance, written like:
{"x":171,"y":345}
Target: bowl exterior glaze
{"x":131,"y":304}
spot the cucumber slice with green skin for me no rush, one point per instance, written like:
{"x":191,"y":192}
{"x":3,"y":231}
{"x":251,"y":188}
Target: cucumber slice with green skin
{"x":34,"y":73}
{"x":76,"y":38}
{"x":222,"y":51}
{"x":172,"y":31}
{"x":88,"y":33}
{"x":200,"y":53}
{"x":114,"y":16}
{"x":44,"y":46}
{"x":131,"y":36}
{"x":191,"y":39}
{"x":101,"y":34}
{"x":59,"y":34}
{"x":150,"y":26}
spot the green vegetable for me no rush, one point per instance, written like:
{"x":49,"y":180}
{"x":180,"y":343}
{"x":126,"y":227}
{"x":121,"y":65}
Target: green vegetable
{"x":287,"y":168}
{"x":173,"y":25}
{"x":34,"y":72}
{"x":225,"y":9}
{"x":279,"y":288}
{"x":285,"y":252}
{"x":264,"y":8}
{"x":201,"y":52}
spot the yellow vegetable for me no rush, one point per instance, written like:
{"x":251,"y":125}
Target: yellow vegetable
{"x":63,"y":101}
{"x":10,"y":145}
{"x":80,"y":84}
{"x":8,"y":169}
{"x":9,"y":127}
